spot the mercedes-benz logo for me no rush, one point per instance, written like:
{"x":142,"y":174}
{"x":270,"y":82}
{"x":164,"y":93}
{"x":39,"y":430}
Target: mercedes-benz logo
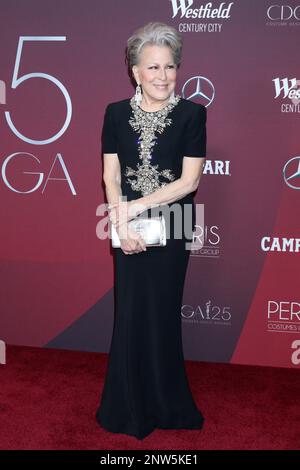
{"x":291,"y":173}
{"x":199,"y":87}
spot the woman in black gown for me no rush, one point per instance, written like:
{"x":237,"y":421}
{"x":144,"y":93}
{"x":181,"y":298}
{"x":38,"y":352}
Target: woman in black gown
{"x":154,"y":147}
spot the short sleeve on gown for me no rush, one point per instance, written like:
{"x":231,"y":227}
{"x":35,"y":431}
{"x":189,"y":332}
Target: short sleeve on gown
{"x":195,"y":133}
{"x":109,"y":138}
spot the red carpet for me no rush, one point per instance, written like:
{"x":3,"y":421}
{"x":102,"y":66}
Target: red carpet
{"x":48,"y":400}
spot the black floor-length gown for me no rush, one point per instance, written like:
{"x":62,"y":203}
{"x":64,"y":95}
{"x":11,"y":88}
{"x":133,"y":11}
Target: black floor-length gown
{"x":146,"y":385}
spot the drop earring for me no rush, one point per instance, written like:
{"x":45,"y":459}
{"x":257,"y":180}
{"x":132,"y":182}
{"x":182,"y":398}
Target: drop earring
{"x":172,"y":97}
{"x":138,"y":95}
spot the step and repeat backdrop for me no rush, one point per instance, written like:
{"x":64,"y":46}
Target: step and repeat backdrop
{"x":61,"y":63}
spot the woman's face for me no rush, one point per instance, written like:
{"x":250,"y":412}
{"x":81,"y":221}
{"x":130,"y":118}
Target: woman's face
{"x":156,"y":72}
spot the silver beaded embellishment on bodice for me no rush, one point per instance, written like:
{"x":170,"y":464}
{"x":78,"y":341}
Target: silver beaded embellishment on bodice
{"x":146,"y":178}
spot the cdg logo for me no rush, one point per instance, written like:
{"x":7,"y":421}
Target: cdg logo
{"x":39,"y":175}
{"x":16,"y":81}
{"x":28,"y":157}
{"x":283,"y":12}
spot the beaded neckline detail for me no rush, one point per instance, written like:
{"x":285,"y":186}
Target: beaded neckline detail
{"x":147,"y":177}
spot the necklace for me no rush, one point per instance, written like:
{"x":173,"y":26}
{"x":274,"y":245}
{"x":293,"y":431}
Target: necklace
{"x":156,"y":110}
{"x":146,"y":178}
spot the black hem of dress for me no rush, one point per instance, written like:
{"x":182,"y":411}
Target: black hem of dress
{"x":148,"y":430}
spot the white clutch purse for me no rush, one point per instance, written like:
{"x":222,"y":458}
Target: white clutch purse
{"x":152,"y":230}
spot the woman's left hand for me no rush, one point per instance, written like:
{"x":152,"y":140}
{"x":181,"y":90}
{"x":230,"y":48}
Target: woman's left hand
{"x":120,"y":213}
{"x":123,"y":211}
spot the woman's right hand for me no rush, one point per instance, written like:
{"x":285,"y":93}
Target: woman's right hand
{"x":131,"y":241}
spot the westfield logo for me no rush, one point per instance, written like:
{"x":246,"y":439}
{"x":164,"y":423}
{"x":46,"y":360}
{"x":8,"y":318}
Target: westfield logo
{"x":204,"y":11}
